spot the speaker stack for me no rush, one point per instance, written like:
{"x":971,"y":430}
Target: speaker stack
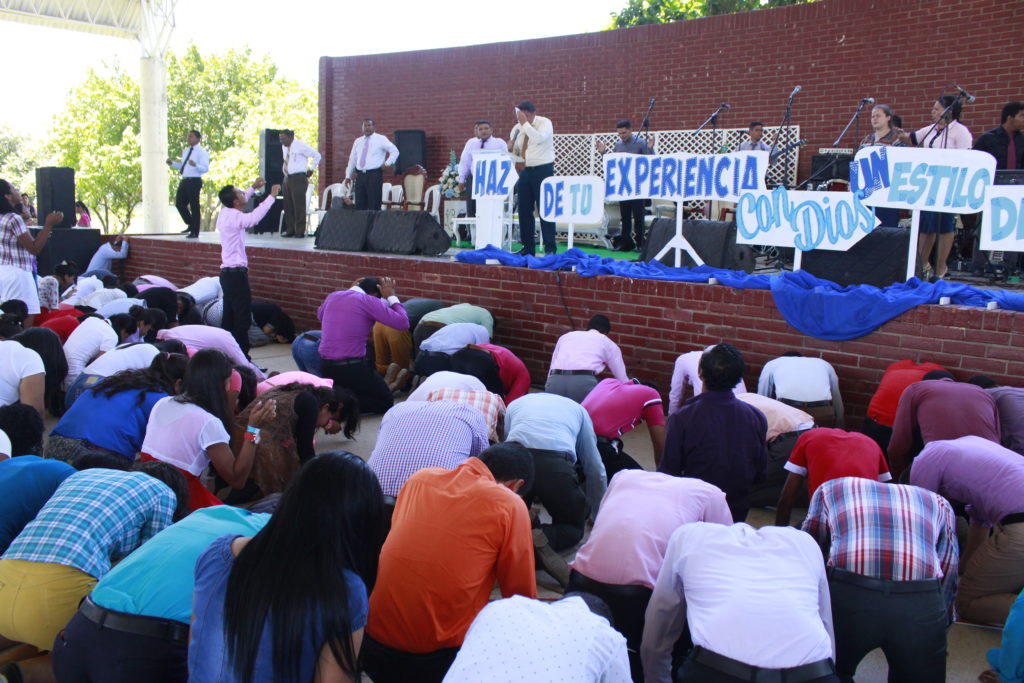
{"x":271,"y":157}
{"x":385,"y":232}
{"x":55,"y":191}
{"x":714,"y":242}
{"x":412,"y":149}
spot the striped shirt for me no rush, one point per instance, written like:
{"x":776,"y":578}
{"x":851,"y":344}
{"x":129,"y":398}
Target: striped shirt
{"x":885,"y":531}
{"x":420,"y":434}
{"x":96,"y":517}
{"x":490,"y":405}
{"x":12,"y":253}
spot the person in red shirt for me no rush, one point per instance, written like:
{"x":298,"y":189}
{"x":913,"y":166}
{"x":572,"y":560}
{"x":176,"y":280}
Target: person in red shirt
{"x":499,"y":369}
{"x":824,"y":454}
{"x":617,"y":407}
{"x":453,"y":533}
{"x":882,"y":410}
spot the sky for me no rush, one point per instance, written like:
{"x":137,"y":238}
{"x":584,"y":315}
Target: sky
{"x":50,"y":62}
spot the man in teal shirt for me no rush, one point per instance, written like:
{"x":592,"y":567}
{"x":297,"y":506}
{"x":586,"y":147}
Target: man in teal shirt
{"x":134,"y":625}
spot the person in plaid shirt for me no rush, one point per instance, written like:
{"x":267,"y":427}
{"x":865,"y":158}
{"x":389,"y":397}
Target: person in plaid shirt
{"x":95,"y":518}
{"x":415,"y":435}
{"x":490,"y":405}
{"x":18,"y":250}
{"x":891,"y":554}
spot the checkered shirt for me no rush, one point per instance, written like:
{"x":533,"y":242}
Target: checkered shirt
{"x":419,"y":434}
{"x":12,"y":253}
{"x":487,"y":403}
{"x":96,"y":517}
{"x":885,"y":531}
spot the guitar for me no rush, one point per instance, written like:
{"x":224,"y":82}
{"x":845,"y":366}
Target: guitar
{"x":779,"y":153}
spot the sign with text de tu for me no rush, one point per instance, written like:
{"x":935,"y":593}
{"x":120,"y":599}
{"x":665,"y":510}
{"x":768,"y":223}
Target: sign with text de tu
{"x":577,"y":200}
{"x":494,"y":175}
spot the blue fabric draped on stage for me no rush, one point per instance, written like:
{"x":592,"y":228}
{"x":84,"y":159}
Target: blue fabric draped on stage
{"x":816,"y":307}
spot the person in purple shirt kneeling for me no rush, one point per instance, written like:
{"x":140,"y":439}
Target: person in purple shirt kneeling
{"x":348,"y":317}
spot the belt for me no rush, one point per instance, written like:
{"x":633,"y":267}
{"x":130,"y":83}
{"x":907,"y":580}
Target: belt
{"x":369,"y":170}
{"x":234,"y":269}
{"x":301,"y":173}
{"x":192,"y":177}
{"x":1015,"y":518}
{"x":424,"y":352}
{"x":806,"y":404}
{"x":571,"y":457}
{"x":573,"y":372}
{"x":738,"y":669}
{"x":883,"y":585}
{"x":343,"y":361}
{"x":152,"y":627}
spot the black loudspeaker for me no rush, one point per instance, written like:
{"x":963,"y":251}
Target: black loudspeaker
{"x":412,"y":149}
{"x":55,"y":191}
{"x":714,"y":241}
{"x":272,"y":221}
{"x":76,"y":245}
{"x":840,"y":166}
{"x":407,"y":232}
{"x":344,"y":230}
{"x":271,"y":157}
{"x":880,"y":259}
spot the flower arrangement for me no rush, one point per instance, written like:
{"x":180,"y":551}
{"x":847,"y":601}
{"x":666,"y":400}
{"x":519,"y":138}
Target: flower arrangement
{"x":449,"y":179}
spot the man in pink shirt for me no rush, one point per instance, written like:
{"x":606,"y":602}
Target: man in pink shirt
{"x":625,"y":550}
{"x":616,"y":408}
{"x":232,"y":223}
{"x":580,"y":356}
{"x":198,"y":337}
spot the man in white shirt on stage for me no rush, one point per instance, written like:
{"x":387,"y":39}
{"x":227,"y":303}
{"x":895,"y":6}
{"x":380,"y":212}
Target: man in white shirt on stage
{"x":482,"y":140}
{"x":533,"y":139}
{"x":297,"y":171}
{"x":195,"y":162}
{"x":371,"y":154}
{"x":756,"y":601}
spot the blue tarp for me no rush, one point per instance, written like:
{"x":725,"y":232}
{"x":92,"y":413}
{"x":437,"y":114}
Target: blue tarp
{"x":816,"y":307}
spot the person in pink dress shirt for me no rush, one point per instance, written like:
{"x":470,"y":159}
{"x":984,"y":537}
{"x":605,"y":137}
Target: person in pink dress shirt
{"x":580,"y":356}
{"x":232,"y":223}
{"x":623,"y":554}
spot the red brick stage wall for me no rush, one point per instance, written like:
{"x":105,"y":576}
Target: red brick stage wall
{"x":652,"y":321}
{"x":899,"y":51}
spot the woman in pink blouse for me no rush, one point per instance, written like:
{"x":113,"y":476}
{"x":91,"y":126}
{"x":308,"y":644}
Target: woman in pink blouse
{"x":946,"y":132}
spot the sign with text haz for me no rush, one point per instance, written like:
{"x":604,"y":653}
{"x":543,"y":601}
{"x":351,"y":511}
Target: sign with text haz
{"x":576,"y":200}
{"x":494,"y":175}
{"x":942,"y":180}
{"x":684,"y":177}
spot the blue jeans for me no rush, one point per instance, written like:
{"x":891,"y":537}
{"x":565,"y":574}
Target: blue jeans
{"x":81,"y":383}
{"x":306,"y":352}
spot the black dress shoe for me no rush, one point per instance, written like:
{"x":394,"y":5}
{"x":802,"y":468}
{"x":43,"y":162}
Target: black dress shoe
{"x":628,"y":246}
{"x":526,"y":252}
{"x":191,"y":237}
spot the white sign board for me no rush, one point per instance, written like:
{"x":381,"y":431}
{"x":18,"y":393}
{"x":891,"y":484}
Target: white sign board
{"x":682,"y":177}
{"x":577,"y":200}
{"x":1002,"y":227}
{"x":494,"y":175}
{"x":834,"y":221}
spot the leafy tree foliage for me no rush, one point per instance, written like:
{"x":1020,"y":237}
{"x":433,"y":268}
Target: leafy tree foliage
{"x":640,"y":12}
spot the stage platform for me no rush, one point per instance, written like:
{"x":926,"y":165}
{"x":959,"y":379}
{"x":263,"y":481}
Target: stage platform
{"x":652,"y":321}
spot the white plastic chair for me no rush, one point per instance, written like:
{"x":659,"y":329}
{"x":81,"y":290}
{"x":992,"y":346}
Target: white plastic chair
{"x":432,"y":202}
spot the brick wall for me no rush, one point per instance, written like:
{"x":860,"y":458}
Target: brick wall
{"x":899,"y":51}
{"x":652,"y":321}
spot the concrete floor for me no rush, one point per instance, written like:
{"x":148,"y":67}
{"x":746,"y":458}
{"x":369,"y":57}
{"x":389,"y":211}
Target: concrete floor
{"x":967,"y":643}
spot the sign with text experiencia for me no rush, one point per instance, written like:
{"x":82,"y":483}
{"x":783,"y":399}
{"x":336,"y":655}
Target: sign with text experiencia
{"x":577,"y":200}
{"x":682,"y":177}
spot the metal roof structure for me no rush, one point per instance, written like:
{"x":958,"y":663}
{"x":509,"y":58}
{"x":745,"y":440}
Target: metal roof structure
{"x":150,"y":22}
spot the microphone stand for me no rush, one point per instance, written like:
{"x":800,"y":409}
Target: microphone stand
{"x":959,"y":96}
{"x":713,"y":119}
{"x":646,"y":124}
{"x":828,"y":168}
{"x":784,"y":125}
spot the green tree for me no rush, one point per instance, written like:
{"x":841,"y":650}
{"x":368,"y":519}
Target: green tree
{"x":228,"y":96}
{"x":640,"y":12}
{"x":18,"y":159}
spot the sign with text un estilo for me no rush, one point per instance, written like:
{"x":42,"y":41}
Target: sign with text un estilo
{"x":494,"y":179}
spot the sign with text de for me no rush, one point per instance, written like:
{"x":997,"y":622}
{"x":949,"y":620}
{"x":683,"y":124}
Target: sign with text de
{"x":494,"y":176}
{"x":572,"y":199}
{"x":1002,"y":227}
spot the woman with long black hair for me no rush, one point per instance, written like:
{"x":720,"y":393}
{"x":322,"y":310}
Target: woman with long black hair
{"x":47,"y":344}
{"x":112,"y":415}
{"x":18,"y":250}
{"x":290,"y":603}
{"x":193,"y":429}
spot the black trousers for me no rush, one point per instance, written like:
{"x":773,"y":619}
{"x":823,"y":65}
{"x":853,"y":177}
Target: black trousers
{"x":186,"y":201}
{"x":363,"y":380}
{"x":368,"y":189}
{"x":85,"y":652}
{"x":295,"y":204}
{"x":387,"y":665}
{"x":429,"y":362}
{"x":766,"y":493}
{"x":470,"y":202}
{"x":632,"y":214}
{"x":559,"y":488}
{"x":237,"y":316}
{"x":907,"y":619}
{"x":695,"y":672}
{"x":879,"y":433}
{"x":614,"y":458}
{"x":529,"y":194}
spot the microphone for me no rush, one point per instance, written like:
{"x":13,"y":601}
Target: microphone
{"x":652,"y":101}
{"x":795,"y":91}
{"x":725,"y":106}
{"x":967,"y":96}
{"x":868,"y":100}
